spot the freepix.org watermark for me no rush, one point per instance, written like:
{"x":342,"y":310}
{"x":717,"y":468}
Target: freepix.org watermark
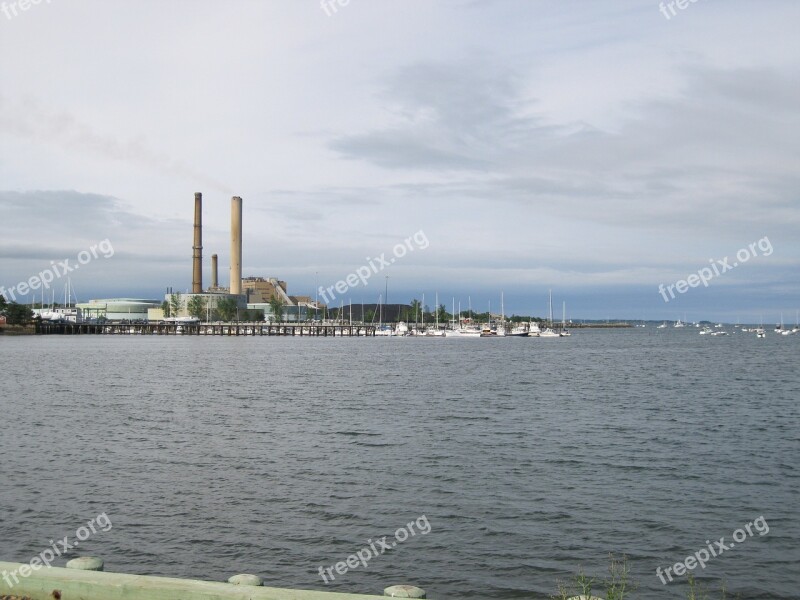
{"x":701,"y":557}
{"x":376,"y":548}
{"x":57,"y":270}
{"x":12,"y":9}
{"x":668,"y":8}
{"x":717,"y":268}
{"x":331,"y":6}
{"x":374,"y":265}
{"x":101,"y":522}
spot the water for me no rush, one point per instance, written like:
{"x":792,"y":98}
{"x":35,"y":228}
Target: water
{"x":530,"y":459}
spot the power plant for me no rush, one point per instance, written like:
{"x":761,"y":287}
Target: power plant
{"x":251,"y":293}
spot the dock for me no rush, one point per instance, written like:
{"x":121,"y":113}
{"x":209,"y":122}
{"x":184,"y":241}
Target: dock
{"x":217,"y":329}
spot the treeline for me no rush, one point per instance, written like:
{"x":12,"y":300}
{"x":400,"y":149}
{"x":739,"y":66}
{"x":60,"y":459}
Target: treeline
{"x":225,"y":309}
{"x":15,"y":314}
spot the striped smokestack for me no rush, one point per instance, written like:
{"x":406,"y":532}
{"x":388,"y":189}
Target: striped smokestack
{"x":214,"y":272}
{"x":236,"y":245}
{"x":197,"y":248}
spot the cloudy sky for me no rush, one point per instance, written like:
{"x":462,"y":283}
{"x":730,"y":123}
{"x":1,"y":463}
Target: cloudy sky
{"x":597,"y":149}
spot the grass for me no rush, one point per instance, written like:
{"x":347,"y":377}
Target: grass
{"x":618,"y":585}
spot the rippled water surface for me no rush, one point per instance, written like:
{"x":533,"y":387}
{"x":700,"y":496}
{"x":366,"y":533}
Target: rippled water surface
{"x":530,"y":458}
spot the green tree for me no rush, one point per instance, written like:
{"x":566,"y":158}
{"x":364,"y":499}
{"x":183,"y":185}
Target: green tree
{"x":444,"y":316}
{"x":276,"y":304}
{"x":227,"y":309}
{"x":255,"y":315}
{"x":165,"y":308}
{"x":197,"y":307}
{"x":17,"y":314}
{"x":175,"y":304}
{"x":416,"y":310}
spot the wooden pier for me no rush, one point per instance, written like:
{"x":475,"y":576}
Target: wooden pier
{"x":226,"y":329}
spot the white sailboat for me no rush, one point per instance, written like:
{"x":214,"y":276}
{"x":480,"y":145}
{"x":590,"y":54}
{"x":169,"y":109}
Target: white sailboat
{"x":548,"y":332}
{"x":564,"y":331}
{"x":500,"y":329}
{"x":779,"y":328}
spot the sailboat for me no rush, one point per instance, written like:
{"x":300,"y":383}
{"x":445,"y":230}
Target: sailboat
{"x":549,"y":333}
{"x":435,"y":331}
{"x":500,"y":328}
{"x":761,"y":332}
{"x":662,"y":326}
{"x":779,"y":328}
{"x":564,"y":331}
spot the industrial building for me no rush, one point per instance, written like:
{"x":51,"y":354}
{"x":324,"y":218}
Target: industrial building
{"x":117,"y":309}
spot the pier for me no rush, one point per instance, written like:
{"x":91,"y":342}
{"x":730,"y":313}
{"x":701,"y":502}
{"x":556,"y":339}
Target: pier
{"x":86,"y":582}
{"x":218,"y":329}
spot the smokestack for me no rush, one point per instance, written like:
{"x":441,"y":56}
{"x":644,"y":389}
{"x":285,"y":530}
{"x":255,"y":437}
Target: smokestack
{"x":197,"y":255}
{"x":214,"y":273}
{"x":236,"y":245}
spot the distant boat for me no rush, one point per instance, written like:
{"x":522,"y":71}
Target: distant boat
{"x":760,"y":333}
{"x":779,"y":328}
{"x":705,"y":331}
{"x":564,"y":331}
{"x":548,"y":332}
{"x":662,"y":326}
{"x":533,"y":330}
{"x":679,"y":323}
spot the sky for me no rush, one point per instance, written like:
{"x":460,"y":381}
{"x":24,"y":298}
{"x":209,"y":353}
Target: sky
{"x":596,"y":149}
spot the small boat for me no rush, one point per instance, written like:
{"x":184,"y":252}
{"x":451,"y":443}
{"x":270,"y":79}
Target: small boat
{"x":715,"y":333}
{"x":679,"y":323}
{"x":760,"y":333}
{"x":662,"y":326}
{"x":706,"y":331}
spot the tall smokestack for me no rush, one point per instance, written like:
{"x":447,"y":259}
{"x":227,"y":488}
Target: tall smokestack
{"x":214,"y":272}
{"x":197,"y":255}
{"x":236,"y":245}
